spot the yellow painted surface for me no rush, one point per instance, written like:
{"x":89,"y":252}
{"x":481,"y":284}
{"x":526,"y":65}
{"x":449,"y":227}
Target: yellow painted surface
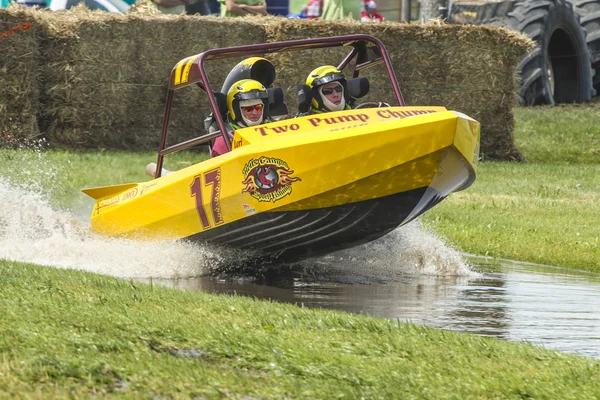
{"x":342,"y":157}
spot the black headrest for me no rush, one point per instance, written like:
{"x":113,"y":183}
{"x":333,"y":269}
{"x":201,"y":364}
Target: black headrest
{"x":263,"y":71}
{"x":275,"y":95}
{"x":305,"y":97}
{"x":221,"y":102}
{"x":358,"y":87}
{"x":277,"y":107}
{"x":257,"y":68}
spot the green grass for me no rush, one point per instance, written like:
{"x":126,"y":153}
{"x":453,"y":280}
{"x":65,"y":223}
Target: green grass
{"x":559,"y":134}
{"x":297,"y":5}
{"x":70,"y":334}
{"x":542,"y":213}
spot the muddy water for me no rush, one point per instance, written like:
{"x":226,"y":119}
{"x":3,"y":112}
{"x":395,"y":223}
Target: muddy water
{"x":546,"y":306}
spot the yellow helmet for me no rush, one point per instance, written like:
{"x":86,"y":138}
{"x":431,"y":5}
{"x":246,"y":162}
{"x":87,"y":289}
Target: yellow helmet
{"x":324,"y":74}
{"x":246,"y":89}
{"x":321,"y":76}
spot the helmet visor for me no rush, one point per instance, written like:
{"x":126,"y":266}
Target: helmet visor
{"x":328,"y":78}
{"x":255,"y":94}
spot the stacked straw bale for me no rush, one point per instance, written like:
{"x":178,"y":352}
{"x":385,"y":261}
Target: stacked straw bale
{"x":19,"y":75}
{"x":99,"y":80}
{"x":464,"y":68}
{"x":106,"y":75}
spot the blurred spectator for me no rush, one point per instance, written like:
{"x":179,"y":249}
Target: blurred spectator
{"x":239,"y":8}
{"x":201,"y":7}
{"x":313,"y":9}
{"x":333,"y":10}
{"x":170,"y":6}
{"x":369,"y":12}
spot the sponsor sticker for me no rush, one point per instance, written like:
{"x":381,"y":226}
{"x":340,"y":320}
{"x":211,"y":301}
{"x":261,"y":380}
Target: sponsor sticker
{"x":268,"y":179}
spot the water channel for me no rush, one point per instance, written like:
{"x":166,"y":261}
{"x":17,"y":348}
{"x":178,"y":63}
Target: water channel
{"x":550,"y":307}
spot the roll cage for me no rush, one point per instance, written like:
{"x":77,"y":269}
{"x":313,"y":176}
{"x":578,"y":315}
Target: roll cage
{"x":367,"y":49}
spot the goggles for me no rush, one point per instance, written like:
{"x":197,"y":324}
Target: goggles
{"x":328,"y":91}
{"x":256,"y":107}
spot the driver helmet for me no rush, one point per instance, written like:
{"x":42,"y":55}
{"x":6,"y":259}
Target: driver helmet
{"x":321,"y":77}
{"x":252,"y":97}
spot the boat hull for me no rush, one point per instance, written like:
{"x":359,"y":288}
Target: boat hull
{"x":293,"y":235}
{"x":304,"y":192}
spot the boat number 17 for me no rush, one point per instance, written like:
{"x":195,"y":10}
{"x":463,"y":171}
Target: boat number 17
{"x":211,"y":178}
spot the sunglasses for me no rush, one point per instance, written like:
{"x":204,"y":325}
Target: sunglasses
{"x":328,"y":91}
{"x":256,"y":107}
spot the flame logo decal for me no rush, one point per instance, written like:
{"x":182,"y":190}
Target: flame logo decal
{"x":268,"y":179}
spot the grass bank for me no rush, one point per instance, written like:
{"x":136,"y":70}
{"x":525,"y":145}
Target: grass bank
{"x":72,"y":334}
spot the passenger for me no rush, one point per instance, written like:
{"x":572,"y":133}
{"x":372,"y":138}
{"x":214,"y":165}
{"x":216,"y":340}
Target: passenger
{"x":247,"y":105}
{"x":329,"y":89}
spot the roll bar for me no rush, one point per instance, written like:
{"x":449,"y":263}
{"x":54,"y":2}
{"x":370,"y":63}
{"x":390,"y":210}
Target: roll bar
{"x":191,"y":71}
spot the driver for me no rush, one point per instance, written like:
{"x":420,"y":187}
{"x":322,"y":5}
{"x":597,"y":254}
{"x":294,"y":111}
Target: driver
{"x":247,"y":102}
{"x":329,"y":89}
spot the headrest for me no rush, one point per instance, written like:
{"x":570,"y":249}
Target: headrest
{"x":221,"y":102}
{"x":358,"y":87}
{"x":277,"y":107}
{"x":275,"y":95}
{"x":257,"y":68}
{"x":263,"y":71}
{"x":305,"y":97}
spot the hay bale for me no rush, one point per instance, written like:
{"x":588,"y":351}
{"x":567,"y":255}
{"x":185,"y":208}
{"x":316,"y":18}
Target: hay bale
{"x":19,"y":74}
{"x":100,"y":79}
{"x":465,"y":68}
{"x":106,"y":74}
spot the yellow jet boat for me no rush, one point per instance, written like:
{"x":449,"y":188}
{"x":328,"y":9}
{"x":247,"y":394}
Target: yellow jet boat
{"x":304,"y":186}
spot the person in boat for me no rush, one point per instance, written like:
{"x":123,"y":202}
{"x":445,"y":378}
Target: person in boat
{"x":247,"y":105}
{"x":329,"y":90}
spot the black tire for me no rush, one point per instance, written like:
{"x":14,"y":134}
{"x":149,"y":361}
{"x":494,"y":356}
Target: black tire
{"x":558,"y":69}
{"x":589,"y":14}
{"x":493,"y":13}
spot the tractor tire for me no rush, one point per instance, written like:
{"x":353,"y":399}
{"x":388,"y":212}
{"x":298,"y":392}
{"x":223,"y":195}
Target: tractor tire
{"x":589,"y":14}
{"x":558,"y":69}
{"x":494,"y":13}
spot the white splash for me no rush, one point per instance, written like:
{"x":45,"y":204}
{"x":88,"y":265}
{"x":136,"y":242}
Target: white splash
{"x":31,"y":231}
{"x":408,"y":250}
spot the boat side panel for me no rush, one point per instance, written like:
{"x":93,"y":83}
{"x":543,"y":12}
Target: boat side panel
{"x":329,"y":122}
{"x":414,"y":174}
{"x":223,"y":190}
